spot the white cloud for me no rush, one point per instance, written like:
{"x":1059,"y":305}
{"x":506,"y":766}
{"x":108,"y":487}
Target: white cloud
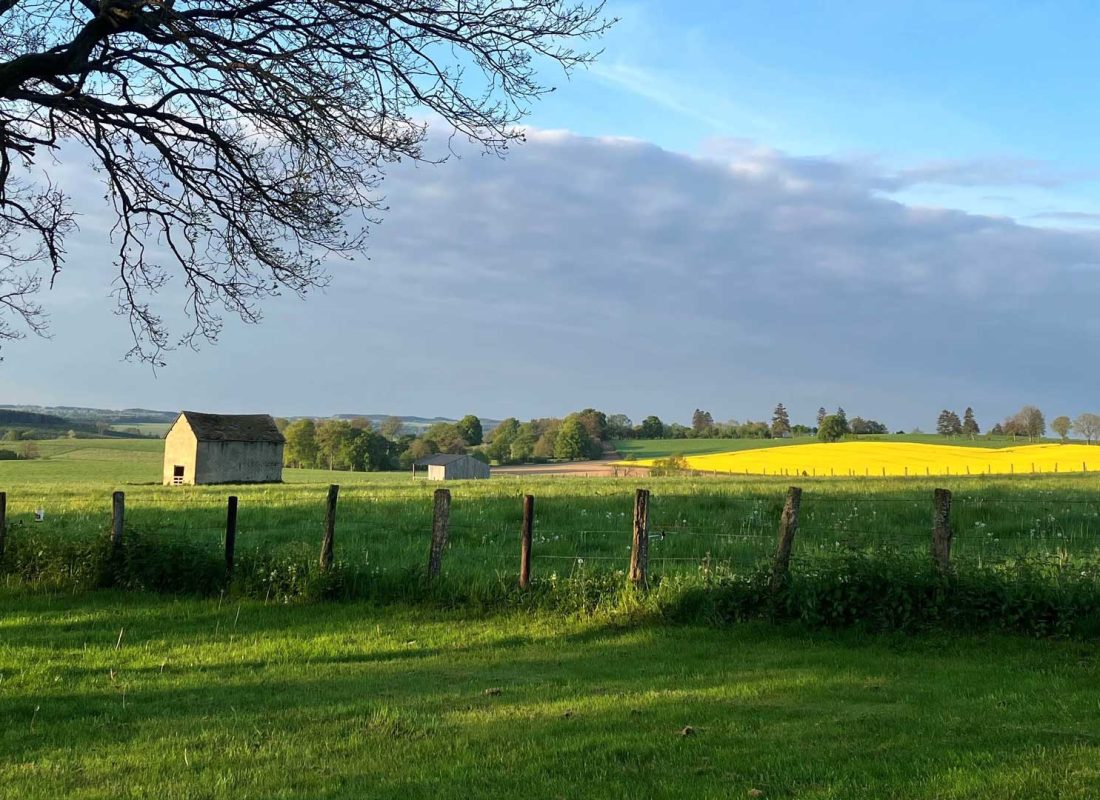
{"x":613,"y":273}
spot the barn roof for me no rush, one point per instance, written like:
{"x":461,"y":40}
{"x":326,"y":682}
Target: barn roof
{"x":233,"y":427}
{"x":440,"y":460}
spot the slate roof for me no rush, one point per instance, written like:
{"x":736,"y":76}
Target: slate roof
{"x":233,"y":427}
{"x":440,"y":460}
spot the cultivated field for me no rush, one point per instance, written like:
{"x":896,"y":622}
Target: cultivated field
{"x":663,"y":448}
{"x":892,"y":458}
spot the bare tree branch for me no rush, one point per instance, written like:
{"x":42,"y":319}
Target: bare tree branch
{"x":236,"y":140}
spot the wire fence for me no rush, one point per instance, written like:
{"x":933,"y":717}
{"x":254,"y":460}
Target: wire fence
{"x":684,"y":532}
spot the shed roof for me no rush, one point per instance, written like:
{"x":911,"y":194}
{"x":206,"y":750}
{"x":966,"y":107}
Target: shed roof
{"x":440,"y":459}
{"x":233,"y":427}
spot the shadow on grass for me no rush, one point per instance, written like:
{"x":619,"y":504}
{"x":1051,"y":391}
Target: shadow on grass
{"x":347,"y":701}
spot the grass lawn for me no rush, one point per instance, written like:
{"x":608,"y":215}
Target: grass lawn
{"x":198,"y":699}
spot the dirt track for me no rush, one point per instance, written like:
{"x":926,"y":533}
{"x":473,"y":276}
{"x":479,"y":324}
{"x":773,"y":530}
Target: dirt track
{"x":589,"y":469}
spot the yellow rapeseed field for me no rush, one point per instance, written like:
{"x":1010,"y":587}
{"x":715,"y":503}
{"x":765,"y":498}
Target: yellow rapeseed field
{"x":900,"y":458}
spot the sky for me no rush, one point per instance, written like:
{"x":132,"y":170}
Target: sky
{"x":890,"y":207}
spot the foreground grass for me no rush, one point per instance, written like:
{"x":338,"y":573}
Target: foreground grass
{"x":131,"y":696}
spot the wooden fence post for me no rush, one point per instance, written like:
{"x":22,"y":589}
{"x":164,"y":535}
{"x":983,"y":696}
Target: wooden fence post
{"x":525,"y":541}
{"x":118,"y":518}
{"x":441,"y":519}
{"x":3,"y":522}
{"x":639,"y":549}
{"x":788,"y":527}
{"x":230,"y":534}
{"x":327,"y":543}
{"x":941,"y":530}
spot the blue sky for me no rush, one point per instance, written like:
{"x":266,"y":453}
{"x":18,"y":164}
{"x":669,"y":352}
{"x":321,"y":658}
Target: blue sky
{"x":887,"y":206}
{"x":900,"y":82}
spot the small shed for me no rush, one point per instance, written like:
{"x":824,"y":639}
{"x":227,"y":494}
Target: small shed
{"x":450,"y":467}
{"x":223,"y":448}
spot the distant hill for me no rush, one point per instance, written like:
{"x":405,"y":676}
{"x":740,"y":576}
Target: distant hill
{"x":93,"y":415}
{"x":30,"y":418}
{"x":82,"y":418}
{"x":414,"y":424}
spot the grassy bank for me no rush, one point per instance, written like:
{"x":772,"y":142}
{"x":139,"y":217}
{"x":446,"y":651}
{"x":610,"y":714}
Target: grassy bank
{"x":126,"y":696}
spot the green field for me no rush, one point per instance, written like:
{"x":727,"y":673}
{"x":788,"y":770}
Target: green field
{"x":158,"y":429}
{"x":258,"y":692}
{"x":132,"y":696}
{"x":384,"y":519}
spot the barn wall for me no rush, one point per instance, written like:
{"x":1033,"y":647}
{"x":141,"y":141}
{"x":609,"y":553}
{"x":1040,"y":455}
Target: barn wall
{"x":239,"y":462}
{"x":465,"y":469}
{"x":179,"y":448}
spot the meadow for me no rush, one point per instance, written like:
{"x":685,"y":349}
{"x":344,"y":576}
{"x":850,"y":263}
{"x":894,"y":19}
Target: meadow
{"x":138,"y":696}
{"x":893,"y":685}
{"x":384,"y":520}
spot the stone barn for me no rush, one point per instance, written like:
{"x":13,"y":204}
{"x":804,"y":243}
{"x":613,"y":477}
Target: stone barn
{"x":447,"y":467}
{"x":223,"y":448}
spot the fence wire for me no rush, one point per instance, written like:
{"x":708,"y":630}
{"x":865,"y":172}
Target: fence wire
{"x":686,"y":531}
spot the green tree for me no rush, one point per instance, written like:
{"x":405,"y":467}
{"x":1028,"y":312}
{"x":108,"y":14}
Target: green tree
{"x":595,"y":423}
{"x":301,"y":444}
{"x":522,"y":448}
{"x":501,"y":437}
{"x":702,"y":423}
{"x":652,"y":428}
{"x":821,"y":414}
{"x":781,"y":422}
{"x":832,"y":428}
{"x":948,"y":424}
{"x":446,"y":438}
{"x":334,"y":449}
{"x":391,"y":428}
{"x":573,"y":441}
{"x":370,"y":451}
{"x":970,"y":425}
{"x":619,"y":426}
{"x":546,"y":446}
{"x":417,"y":449}
{"x":1061,"y":426}
{"x":469,"y":428}
{"x":867,"y":426}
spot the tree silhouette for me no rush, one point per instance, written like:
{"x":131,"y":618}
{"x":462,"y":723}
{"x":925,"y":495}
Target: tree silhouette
{"x":236,"y":139}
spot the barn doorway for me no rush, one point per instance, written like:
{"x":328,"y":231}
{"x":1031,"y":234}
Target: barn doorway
{"x":177,"y":475}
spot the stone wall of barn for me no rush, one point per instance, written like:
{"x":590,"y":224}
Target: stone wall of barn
{"x":239,"y":462}
{"x":179,"y":450}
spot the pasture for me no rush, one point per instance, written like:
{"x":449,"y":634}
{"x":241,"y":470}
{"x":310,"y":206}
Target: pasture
{"x":136,"y":696}
{"x":246,"y":694}
{"x":384,"y":520}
